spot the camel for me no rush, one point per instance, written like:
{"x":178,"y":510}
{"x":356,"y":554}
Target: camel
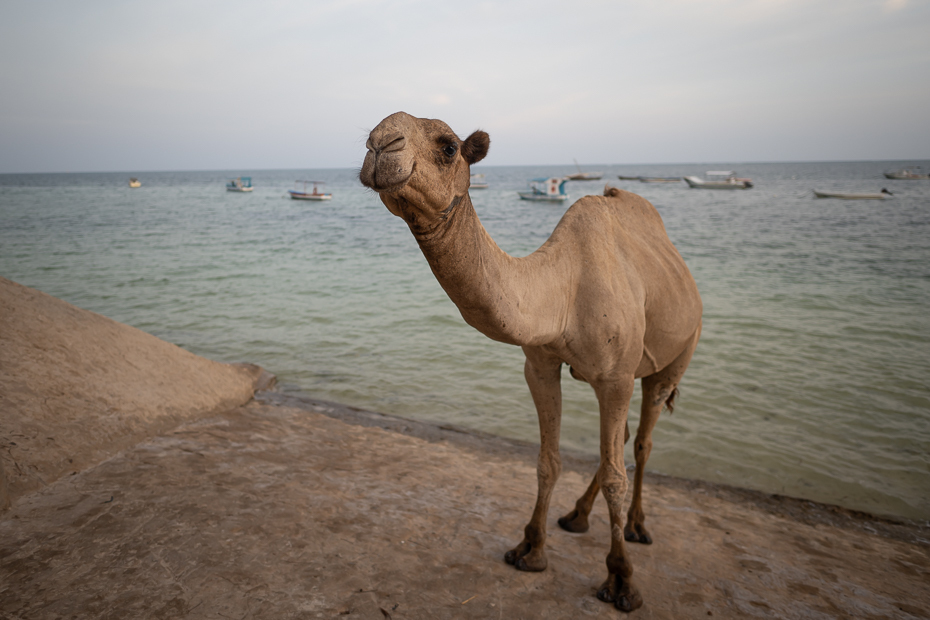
{"x":607,"y":294}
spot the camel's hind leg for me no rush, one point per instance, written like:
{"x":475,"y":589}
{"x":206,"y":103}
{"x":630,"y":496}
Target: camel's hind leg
{"x":543,"y":375}
{"x":659,"y":390}
{"x":577,"y":520}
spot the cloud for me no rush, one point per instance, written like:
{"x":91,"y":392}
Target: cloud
{"x":548,"y":82}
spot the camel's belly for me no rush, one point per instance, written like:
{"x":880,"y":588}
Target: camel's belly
{"x":648,"y":365}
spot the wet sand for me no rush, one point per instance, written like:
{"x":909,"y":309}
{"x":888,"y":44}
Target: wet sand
{"x":288,"y":508}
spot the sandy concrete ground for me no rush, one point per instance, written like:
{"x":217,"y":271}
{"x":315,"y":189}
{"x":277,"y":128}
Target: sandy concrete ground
{"x":280,"y":510}
{"x":145,"y":484}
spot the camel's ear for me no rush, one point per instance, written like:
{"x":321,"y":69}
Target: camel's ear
{"x":476,"y":147}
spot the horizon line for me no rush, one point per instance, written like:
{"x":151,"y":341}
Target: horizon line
{"x":692,"y":163}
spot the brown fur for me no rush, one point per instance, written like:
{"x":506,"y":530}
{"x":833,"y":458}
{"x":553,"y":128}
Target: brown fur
{"x":476,"y":147}
{"x":608,"y":294}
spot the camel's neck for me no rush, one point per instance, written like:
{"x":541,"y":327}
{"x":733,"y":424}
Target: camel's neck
{"x":508,"y":299}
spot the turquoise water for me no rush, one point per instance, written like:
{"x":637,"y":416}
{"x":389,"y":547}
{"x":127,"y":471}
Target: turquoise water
{"x":812,"y":378}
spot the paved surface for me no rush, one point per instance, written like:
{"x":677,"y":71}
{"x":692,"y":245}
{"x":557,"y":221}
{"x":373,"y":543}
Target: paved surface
{"x":281,"y":509}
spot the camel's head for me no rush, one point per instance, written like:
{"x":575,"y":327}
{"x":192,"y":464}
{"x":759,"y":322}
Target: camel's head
{"x":419,"y":166}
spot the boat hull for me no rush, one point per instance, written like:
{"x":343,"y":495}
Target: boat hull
{"x":585,"y":176}
{"x":303,"y":196}
{"x":697,"y":183}
{"x":848,"y":196}
{"x":543,"y":197}
{"x":239,"y":189}
{"x":906,"y":176}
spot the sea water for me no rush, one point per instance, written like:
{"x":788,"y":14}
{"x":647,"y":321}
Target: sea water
{"x":812,"y":377}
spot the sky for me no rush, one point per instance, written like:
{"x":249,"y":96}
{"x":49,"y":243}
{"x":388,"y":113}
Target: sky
{"x":233,"y":85}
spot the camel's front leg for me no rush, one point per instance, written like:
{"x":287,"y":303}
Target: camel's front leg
{"x":543,"y":373}
{"x":614,"y":401}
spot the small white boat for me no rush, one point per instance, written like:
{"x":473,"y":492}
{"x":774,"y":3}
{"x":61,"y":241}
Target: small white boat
{"x":316,"y":194}
{"x":547,"y":190}
{"x":584,"y":176}
{"x":907,"y":174}
{"x":660,"y":179}
{"x":478,"y":182}
{"x":239,"y":184}
{"x":850,"y":196}
{"x":729,"y":180}
{"x":134,"y":182}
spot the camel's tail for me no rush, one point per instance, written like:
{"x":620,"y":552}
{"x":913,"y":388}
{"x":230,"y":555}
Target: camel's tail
{"x":670,"y":401}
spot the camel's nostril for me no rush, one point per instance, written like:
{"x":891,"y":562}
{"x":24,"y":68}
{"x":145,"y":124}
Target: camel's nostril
{"x":392,"y":142}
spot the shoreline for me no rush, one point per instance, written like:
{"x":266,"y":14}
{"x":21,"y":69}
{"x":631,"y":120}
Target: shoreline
{"x":807,"y":511}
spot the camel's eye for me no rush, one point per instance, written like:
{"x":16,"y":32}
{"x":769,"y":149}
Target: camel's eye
{"x":450,"y":149}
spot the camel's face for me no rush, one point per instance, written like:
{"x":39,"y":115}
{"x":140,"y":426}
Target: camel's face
{"x":419,"y":166}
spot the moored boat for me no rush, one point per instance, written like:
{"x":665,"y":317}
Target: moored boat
{"x":911,"y":173}
{"x":550,"y":189}
{"x":134,"y":182}
{"x":854,"y":196}
{"x":477,"y":182}
{"x":726,"y":179}
{"x":316,"y":194}
{"x":239,"y":184}
{"x":659,"y":179}
{"x":583,"y":176}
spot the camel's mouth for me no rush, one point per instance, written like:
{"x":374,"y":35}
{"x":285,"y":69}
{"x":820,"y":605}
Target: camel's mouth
{"x":386,"y":182}
{"x":396,"y":186}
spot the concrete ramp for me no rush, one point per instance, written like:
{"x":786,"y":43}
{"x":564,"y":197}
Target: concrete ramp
{"x":77,"y":387}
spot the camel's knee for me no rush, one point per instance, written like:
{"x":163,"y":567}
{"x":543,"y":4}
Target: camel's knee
{"x":642,"y":448}
{"x":609,"y":473}
{"x":614,"y":484}
{"x":548,"y":467}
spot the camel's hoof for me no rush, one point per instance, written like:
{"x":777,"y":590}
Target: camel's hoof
{"x":574,"y":522}
{"x":624,"y":596}
{"x":523,"y":558}
{"x":637,"y":534}
{"x":535,"y":565}
{"x":629,"y":602}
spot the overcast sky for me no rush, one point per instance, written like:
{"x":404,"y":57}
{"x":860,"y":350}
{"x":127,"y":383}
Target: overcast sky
{"x":191,"y":85}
